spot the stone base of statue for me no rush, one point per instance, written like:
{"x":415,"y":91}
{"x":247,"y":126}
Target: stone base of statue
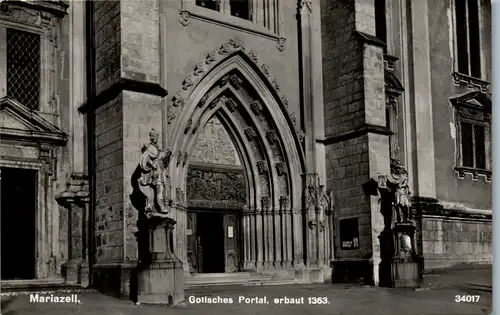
{"x":404,"y":268}
{"x":160,"y":277}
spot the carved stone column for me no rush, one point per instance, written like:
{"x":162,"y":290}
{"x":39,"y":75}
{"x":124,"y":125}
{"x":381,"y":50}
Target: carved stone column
{"x":298,"y":249}
{"x":266,"y":229}
{"x":259,"y":233}
{"x":278,"y":233}
{"x":180,"y":237}
{"x":286,"y":219}
{"x":252,"y":238}
{"x":246,"y":236}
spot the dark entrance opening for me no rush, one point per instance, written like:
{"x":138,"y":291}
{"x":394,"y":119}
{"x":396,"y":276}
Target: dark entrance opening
{"x":210,"y":233}
{"x":17,"y":217}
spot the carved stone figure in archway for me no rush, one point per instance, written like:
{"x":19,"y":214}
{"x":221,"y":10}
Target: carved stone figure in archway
{"x":150,"y":178}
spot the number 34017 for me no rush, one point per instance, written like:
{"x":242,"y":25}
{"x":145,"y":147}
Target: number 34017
{"x":466,"y":298}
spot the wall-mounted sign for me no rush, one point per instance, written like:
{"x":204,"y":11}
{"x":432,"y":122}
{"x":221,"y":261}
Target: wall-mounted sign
{"x":349,"y":233}
{"x":230,"y":232}
{"x":189,"y":232}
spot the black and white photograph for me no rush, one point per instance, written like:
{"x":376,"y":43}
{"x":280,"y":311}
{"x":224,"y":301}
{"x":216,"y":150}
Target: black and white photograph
{"x":246,"y":156}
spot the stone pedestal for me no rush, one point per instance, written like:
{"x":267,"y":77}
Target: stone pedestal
{"x":404,"y":268}
{"x":160,"y":276}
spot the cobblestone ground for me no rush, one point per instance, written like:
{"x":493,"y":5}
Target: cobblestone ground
{"x":438,"y":297}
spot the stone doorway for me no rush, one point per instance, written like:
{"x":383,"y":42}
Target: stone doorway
{"x":214,"y":241}
{"x":18,"y":223}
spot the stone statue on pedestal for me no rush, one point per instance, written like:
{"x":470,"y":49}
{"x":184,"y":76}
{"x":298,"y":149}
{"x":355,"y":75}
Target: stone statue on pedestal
{"x":151,"y":179}
{"x":398,"y":179}
{"x":401,"y":265}
{"x":159,"y":278}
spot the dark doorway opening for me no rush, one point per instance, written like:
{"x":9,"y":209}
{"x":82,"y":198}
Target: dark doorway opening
{"x":210,"y":233}
{"x":17,"y":217}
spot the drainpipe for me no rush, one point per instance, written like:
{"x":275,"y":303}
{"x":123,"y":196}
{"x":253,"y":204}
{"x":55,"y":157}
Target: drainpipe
{"x":90,"y":83}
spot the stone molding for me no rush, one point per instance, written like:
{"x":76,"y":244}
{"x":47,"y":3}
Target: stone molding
{"x":123,"y":84}
{"x":36,"y":128}
{"x":358,"y":132}
{"x":460,"y":79}
{"x":426,"y":207}
{"x":190,"y":11}
{"x":233,"y":46}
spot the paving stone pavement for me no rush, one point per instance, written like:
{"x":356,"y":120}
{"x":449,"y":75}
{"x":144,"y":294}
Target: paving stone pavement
{"x":438,"y":297}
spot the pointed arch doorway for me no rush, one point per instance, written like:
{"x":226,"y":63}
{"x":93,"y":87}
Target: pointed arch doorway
{"x":268,"y":220}
{"x":216,"y":194}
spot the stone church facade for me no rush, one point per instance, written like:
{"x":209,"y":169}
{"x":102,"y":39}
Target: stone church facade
{"x":275,"y":113}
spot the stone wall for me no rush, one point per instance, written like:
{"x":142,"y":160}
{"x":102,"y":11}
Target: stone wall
{"x":348,"y":169}
{"x":471,"y":193}
{"x":449,"y":241}
{"x":109,"y":181}
{"x":107,"y":24}
{"x":342,"y":68}
{"x":140,"y":114}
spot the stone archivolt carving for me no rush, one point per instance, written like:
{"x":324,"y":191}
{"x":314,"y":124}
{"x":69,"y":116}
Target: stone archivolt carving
{"x":231,"y":105}
{"x":211,"y":57}
{"x":284,"y":99}
{"x":177,"y":100}
{"x":225,"y":49}
{"x":150,"y":181}
{"x":233,"y":45}
{"x":302,"y":136}
{"x":280,"y":168}
{"x":253,"y":56}
{"x":170,"y":116}
{"x":236,"y":81}
{"x":199,"y":69}
{"x":184,"y":18}
{"x":215,"y":186}
{"x":203,"y":100}
{"x":179,"y":158}
{"x":281,"y":44}
{"x":250,"y":133}
{"x":188,"y":126}
{"x":271,"y":136}
{"x":187,"y":83}
{"x":293,"y":117}
{"x":265,"y":69}
{"x":256,"y":107}
{"x":276,"y":85}
{"x":262,"y":167}
{"x":185,"y":159}
{"x":196,"y":126}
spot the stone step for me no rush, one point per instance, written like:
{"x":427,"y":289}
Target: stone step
{"x":228,"y":279}
{"x":223,"y":275}
{"x":253,"y":282}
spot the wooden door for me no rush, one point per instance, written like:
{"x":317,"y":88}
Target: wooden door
{"x":231,"y":242}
